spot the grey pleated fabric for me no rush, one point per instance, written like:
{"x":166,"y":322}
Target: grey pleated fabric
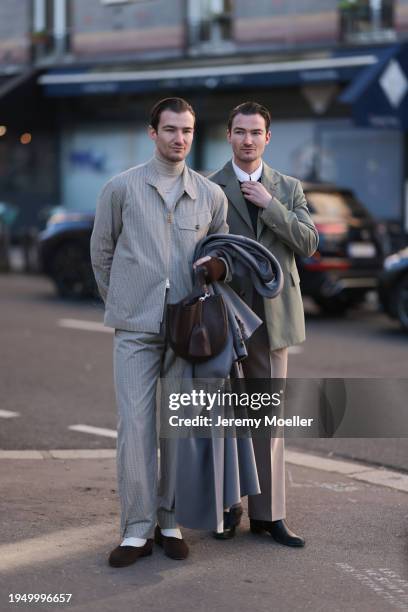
{"x":215,"y":472}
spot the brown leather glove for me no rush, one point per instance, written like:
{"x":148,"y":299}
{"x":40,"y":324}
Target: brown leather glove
{"x":215,"y":269}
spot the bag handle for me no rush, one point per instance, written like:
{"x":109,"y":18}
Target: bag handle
{"x":200,"y":287}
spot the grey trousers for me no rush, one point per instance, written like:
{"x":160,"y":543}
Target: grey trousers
{"x":261,"y":362}
{"x":140,"y":359}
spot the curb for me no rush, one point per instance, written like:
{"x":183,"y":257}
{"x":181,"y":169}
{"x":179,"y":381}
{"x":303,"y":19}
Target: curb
{"x":382,"y":477}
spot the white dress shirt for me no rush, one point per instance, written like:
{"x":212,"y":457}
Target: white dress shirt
{"x":244,"y":176}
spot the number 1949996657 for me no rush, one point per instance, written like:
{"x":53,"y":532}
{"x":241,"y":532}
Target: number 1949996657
{"x":40,"y":597}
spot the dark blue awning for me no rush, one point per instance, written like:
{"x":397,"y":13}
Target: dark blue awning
{"x":378,"y":94}
{"x":96,"y":81}
{"x":10,"y":84}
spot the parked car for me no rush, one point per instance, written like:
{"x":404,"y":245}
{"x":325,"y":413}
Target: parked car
{"x":349,"y":258}
{"x":393,"y":287}
{"x":64,"y":253}
{"x":8,"y":213}
{"x":344,"y":268}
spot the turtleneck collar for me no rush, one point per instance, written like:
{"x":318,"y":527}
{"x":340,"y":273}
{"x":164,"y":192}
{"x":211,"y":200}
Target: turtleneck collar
{"x":166,"y":167}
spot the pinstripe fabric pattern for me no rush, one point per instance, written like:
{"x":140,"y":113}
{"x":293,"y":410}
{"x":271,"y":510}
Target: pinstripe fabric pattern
{"x":137,"y":243}
{"x":139,"y":359}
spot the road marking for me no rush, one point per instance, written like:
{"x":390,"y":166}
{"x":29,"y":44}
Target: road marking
{"x":94,"y":326}
{"x":382,"y":581}
{"x":21,"y":454}
{"x":377,"y":476}
{"x":96,"y":431}
{"x":61,"y":544}
{"x":80,"y":453}
{"x":102,"y":453}
{"x":8,"y":414}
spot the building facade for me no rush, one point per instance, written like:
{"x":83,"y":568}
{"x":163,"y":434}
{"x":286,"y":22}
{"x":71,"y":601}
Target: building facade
{"x":77,"y":79}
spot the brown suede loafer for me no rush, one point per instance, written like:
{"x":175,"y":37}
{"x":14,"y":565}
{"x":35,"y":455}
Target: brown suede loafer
{"x":123,"y":556}
{"x":173,"y":547}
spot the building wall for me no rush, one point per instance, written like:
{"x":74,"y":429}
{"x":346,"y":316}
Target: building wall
{"x":15,"y":27}
{"x":401,"y":16}
{"x":126,"y":28}
{"x":136,"y":29}
{"x":287,"y":23}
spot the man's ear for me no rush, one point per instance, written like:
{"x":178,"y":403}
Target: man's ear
{"x":268,"y":137}
{"x":229,"y":136}
{"x":152,"y":132}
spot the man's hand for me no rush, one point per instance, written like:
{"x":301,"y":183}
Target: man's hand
{"x":215,"y":268}
{"x":256,"y":193}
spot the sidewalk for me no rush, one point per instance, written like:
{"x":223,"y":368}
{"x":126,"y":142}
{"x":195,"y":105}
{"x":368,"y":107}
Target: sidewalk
{"x":60,"y":520}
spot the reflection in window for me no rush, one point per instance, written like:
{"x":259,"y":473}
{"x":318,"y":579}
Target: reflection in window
{"x":209,"y":23}
{"x":367,"y":20}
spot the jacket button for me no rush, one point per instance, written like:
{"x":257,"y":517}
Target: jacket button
{"x":242,"y":293}
{"x":197,"y":227}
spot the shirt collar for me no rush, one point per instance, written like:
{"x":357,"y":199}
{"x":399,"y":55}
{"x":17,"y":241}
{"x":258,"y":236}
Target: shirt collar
{"x":244,"y":176}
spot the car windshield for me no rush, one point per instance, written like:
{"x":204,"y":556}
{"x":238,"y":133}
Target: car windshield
{"x":335,"y":205}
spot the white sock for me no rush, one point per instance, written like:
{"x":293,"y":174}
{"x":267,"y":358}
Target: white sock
{"x":133,"y":542}
{"x":172,"y":533}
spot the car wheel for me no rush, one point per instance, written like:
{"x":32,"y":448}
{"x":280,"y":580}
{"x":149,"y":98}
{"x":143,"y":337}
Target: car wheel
{"x":72,"y":272}
{"x":332,"y":306}
{"x":401,"y":302}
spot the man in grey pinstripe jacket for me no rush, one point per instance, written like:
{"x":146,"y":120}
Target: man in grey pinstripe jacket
{"x":148,"y":222}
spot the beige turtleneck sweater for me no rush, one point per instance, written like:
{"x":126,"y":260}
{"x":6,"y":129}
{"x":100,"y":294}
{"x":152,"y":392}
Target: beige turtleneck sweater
{"x":170,"y":178}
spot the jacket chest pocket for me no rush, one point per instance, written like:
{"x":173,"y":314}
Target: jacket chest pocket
{"x":194,"y":226}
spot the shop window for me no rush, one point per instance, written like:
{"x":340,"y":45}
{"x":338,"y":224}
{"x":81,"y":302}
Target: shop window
{"x":209,"y":24}
{"x":367,"y":20}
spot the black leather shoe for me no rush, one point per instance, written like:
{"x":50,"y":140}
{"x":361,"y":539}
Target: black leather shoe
{"x":278,"y":530}
{"x":173,"y":547}
{"x":232,"y":519}
{"x":122,"y":556}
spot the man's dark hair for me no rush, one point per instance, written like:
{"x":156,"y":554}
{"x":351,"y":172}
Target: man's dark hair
{"x":177,"y":105}
{"x":250,"y":108}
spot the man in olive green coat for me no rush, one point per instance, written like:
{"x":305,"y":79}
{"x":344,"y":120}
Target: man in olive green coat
{"x":270,"y":207}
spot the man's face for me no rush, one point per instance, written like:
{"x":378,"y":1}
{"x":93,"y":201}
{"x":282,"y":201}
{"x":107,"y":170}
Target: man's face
{"x":248,"y":137}
{"x":174,"y":135}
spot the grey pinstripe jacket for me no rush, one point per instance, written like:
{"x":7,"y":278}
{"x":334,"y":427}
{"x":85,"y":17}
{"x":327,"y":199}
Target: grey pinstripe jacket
{"x":138,"y":246}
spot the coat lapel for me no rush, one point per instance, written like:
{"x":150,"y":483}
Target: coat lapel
{"x":269,"y":180}
{"x":232,"y":190}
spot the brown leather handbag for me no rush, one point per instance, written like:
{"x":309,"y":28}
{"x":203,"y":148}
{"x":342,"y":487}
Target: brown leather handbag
{"x":197,"y":326}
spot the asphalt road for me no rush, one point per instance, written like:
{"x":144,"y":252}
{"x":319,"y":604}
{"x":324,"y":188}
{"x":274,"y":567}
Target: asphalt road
{"x":56,"y":536}
{"x":56,"y":375}
{"x":60,"y":517}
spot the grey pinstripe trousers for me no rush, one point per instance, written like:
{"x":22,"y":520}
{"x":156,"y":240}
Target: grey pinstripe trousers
{"x":140,"y":359}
